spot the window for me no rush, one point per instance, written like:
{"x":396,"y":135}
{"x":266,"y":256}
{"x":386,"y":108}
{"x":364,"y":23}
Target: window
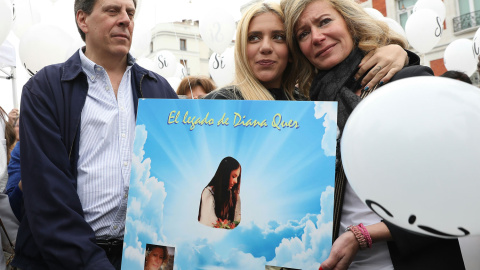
{"x":467,"y":6}
{"x":404,"y":10}
{"x":469,"y":16}
{"x":183,"y":44}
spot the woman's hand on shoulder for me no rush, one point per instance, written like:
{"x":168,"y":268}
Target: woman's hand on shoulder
{"x":383,"y":63}
{"x":343,"y":251}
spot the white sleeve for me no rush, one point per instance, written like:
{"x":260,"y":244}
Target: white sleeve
{"x":207,"y":210}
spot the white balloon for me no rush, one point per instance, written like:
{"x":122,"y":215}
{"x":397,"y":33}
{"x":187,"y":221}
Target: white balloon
{"x":141,"y":41}
{"x":61,"y":14}
{"x":174,"y":82}
{"x":165,"y":63}
{"x":435,"y":5}
{"x":476,"y":43}
{"x":459,"y":56}
{"x":44,"y":45}
{"x":374,"y":13}
{"x":395,"y":26}
{"x":222,"y":67}
{"x":423,"y":30}
{"x":181,"y":72}
{"x":410,"y":151}
{"x":27,"y":14}
{"x":217,"y":29}
{"x":146,"y":63}
{"x":6,"y":19}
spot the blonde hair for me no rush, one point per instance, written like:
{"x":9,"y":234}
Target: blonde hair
{"x":368,"y":33}
{"x":249,"y":86}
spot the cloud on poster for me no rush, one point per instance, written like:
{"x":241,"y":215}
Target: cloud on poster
{"x":140,"y":205}
{"x":329,"y":110}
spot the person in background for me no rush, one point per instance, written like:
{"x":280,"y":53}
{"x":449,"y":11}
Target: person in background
{"x":264,"y":69}
{"x":14,"y":184}
{"x":7,"y":143}
{"x":6,"y":140}
{"x":13,"y":115}
{"x":77,"y":130}
{"x":330,"y":38}
{"x":195,"y":87}
{"x":457,"y":75}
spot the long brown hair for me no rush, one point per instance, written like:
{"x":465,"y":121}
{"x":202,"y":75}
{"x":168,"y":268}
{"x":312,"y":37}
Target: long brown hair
{"x":225,"y":199}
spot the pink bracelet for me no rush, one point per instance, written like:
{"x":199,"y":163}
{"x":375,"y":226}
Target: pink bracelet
{"x":358,"y":235}
{"x":366,"y":235}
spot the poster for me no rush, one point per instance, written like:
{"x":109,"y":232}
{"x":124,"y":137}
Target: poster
{"x":272,"y":163}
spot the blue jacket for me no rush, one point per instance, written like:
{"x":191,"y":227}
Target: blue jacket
{"x":15,"y":195}
{"x":53,"y":233}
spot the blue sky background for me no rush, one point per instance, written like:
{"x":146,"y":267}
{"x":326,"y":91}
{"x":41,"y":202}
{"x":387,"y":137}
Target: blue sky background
{"x":286,"y":191}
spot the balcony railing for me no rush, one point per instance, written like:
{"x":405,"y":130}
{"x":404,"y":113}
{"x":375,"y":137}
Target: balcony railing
{"x":466,"y":21}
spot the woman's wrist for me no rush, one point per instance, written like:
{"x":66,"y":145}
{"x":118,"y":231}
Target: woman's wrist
{"x":362,"y":235}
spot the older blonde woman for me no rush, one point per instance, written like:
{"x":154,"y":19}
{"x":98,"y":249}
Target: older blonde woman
{"x":329,"y":38}
{"x":263,"y":63}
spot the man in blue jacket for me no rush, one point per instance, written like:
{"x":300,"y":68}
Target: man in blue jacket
{"x":77,"y":129}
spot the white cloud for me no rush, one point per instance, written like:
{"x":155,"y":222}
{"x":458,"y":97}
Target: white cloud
{"x":136,"y":255}
{"x":329,"y":139}
{"x":146,"y":203}
{"x":314,"y":246}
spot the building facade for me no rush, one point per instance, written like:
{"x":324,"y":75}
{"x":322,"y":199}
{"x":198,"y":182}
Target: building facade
{"x":184,"y":41}
{"x":462,"y":20}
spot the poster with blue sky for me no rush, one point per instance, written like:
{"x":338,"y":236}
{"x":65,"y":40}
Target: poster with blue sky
{"x":286,"y":153}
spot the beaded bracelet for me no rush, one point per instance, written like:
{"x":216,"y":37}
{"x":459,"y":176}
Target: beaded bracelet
{"x":358,"y":235}
{"x":367,"y":236}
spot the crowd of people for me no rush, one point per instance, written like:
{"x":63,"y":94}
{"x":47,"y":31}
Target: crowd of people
{"x":70,"y":188}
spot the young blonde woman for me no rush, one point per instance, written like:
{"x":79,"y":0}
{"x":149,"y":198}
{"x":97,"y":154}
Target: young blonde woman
{"x":264,"y":69}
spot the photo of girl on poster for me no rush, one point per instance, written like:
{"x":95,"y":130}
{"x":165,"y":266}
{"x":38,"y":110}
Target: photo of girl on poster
{"x":220,"y":200}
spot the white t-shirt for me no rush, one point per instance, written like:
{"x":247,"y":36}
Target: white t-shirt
{"x":355,"y":211}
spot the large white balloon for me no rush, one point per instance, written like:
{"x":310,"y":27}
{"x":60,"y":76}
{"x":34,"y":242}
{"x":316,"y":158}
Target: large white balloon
{"x":459,"y":56}
{"x":410,"y":151}
{"x":395,"y":26}
{"x":27,"y":14}
{"x":435,"y":5}
{"x":6,"y":19}
{"x":222,"y":67}
{"x":165,"y":63}
{"x":374,"y":13}
{"x":61,"y":14}
{"x":423,"y":30}
{"x":141,"y":41}
{"x":217,"y":29}
{"x":44,"y":45}
{"x":146,"y":63}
